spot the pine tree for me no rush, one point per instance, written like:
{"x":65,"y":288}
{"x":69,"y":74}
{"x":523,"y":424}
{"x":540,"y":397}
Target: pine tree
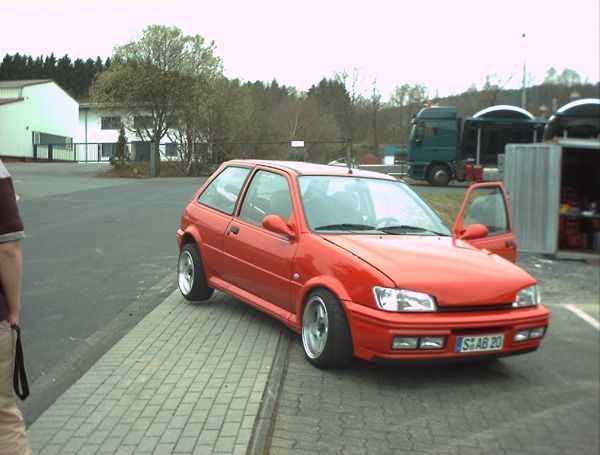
{"x":121,"y":148}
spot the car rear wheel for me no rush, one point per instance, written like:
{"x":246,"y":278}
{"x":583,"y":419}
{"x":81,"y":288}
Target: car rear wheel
{"x":190,"y":274}
{"x":326,"y":336}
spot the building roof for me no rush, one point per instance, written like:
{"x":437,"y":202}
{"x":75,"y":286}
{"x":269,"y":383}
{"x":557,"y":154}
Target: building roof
{"x":10,"y":100}
{"x":23,"y":83}
{"x":504,"y":111}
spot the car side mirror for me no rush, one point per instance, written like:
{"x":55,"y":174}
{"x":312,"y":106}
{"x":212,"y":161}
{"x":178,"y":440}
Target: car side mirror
{"x":474,"y":231}
{"x":275,"y":223}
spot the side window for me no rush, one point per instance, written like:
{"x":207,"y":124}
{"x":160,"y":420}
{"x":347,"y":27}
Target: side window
{"x":224,"y":191}
{"x":268,"y":194}
{"x":431,"y":130}
{"x":486,"y":206}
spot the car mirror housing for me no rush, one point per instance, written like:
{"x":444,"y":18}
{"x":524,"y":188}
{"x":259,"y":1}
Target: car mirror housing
{"x":474,"y":231}
{"x":275,"y":223}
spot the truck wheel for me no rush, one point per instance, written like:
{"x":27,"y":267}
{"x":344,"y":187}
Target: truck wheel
{"x":439,"y":175}
{"x":190,"y":274}
{"x":326,"y":336}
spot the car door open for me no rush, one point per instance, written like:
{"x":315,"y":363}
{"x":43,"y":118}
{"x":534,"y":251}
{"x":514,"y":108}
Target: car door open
{"x":487,"y":204}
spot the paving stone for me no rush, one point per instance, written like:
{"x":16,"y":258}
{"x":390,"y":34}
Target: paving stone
{"x":153,"y":394}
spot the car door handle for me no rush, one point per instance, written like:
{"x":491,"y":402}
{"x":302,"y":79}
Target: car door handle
{"x":510,"y":244}
{"x":234,"y":229}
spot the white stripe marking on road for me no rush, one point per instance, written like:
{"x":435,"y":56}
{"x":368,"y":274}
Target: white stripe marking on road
{"x":586,"y":317}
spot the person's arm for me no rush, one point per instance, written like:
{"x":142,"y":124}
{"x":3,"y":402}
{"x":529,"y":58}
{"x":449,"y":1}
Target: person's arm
{"x":11,"y":276}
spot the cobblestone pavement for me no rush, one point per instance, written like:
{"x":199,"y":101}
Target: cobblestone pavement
{"x":221,"y":377}
{"x":187,"y":379}
{"x":545,"y":402}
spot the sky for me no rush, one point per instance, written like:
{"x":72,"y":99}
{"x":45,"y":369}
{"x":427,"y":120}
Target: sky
{"x":446,"y":45}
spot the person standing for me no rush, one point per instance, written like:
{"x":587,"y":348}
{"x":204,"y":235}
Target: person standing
{"x":13,"y":438}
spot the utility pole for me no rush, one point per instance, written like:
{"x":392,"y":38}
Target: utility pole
{"x":524,"y":87}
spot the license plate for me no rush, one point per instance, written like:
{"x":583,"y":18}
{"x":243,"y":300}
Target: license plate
{"x":479,"y":343}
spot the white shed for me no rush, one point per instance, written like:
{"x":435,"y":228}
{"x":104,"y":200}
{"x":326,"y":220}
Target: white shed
{"x":36,"y":112}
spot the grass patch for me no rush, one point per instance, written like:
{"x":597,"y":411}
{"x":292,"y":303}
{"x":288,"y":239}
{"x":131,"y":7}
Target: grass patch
{"x":446,"y":205}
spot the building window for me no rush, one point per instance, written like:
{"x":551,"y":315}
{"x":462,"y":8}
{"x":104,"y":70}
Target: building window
{"x":144,"y":121}
{"x":111,"y":123}
{"x":171,"y":149}
{"x":141,"y":150}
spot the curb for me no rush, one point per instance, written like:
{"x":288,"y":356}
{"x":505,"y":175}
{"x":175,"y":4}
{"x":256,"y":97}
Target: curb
{"x":263,"y":425}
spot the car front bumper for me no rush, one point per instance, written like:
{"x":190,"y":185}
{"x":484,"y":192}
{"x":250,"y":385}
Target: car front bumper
{"x":374,"y":330}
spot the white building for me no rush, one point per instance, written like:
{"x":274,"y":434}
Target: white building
{"x":38,"y":120}
{"x":99,"y":126}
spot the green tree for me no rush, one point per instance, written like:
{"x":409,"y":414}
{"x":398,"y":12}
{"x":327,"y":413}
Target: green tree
{"x":64,"y":74}
{"x":406,"y":100}
{"x":121,"y":148}
{"x":155,"y":77}
{"x":568,"y":77}
{"x":50,"y":67}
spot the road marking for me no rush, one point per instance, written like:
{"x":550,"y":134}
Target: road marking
{"x":586,"y":317}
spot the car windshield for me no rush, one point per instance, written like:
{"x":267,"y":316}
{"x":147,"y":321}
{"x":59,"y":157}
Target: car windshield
{"x":347,"y":204}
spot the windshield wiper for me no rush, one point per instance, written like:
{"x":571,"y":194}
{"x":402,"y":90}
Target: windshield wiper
{"x":347,"y":227}
{"x":406,"y":227}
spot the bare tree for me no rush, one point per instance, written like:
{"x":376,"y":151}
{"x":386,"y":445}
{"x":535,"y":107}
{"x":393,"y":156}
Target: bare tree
{"x":349,"y":114}
{"x":375,"y":104}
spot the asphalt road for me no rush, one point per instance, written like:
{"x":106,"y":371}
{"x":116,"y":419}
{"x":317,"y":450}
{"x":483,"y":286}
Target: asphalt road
{"x":99,"y":255}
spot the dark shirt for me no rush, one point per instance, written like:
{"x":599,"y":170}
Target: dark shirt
{"x":11,"y":226}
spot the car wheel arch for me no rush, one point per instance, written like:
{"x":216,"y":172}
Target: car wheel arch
{"x":329,"y":284}
{"x":191,"y":235}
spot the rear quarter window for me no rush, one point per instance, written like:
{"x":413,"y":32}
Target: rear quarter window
{"x":223,"y":192}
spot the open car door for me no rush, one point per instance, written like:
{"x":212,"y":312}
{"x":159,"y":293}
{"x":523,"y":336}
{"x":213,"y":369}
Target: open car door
{"x":487,"y":204}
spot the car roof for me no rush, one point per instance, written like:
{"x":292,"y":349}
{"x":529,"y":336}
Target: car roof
{"x":304,"y":168}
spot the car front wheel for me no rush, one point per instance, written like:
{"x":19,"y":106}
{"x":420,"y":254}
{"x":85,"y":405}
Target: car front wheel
{"x":190,"y":274}
{"x":326,"y":336}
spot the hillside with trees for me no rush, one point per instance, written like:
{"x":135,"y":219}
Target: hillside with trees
{"x":177,"y":82}
{"x":73,"y":76}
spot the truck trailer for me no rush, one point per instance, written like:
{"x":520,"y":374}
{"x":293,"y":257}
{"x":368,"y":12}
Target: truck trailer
{"x":444,"y":147}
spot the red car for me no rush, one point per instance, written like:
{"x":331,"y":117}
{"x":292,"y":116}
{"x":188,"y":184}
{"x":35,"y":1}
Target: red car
{"x":360,"y":265}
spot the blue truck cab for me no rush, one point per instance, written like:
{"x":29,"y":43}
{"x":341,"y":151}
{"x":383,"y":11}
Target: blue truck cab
{"x":433,"y":145}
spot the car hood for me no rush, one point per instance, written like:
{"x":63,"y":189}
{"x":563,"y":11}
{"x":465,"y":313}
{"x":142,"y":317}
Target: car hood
{"x":453,"y":271}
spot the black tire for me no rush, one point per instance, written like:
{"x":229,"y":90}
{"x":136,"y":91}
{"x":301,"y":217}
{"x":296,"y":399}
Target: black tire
{"x":439,"y":175}
{"x":326,"y":337}
{"x":190,"y":274}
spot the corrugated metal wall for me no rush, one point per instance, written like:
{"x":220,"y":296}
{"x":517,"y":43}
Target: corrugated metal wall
{"x":532,"y":176}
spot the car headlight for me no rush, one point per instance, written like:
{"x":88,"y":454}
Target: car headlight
{"x":528,"y":297}
{"x":390,"y":299}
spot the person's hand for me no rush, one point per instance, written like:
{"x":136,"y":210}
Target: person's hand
{"x":13,"y":319}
